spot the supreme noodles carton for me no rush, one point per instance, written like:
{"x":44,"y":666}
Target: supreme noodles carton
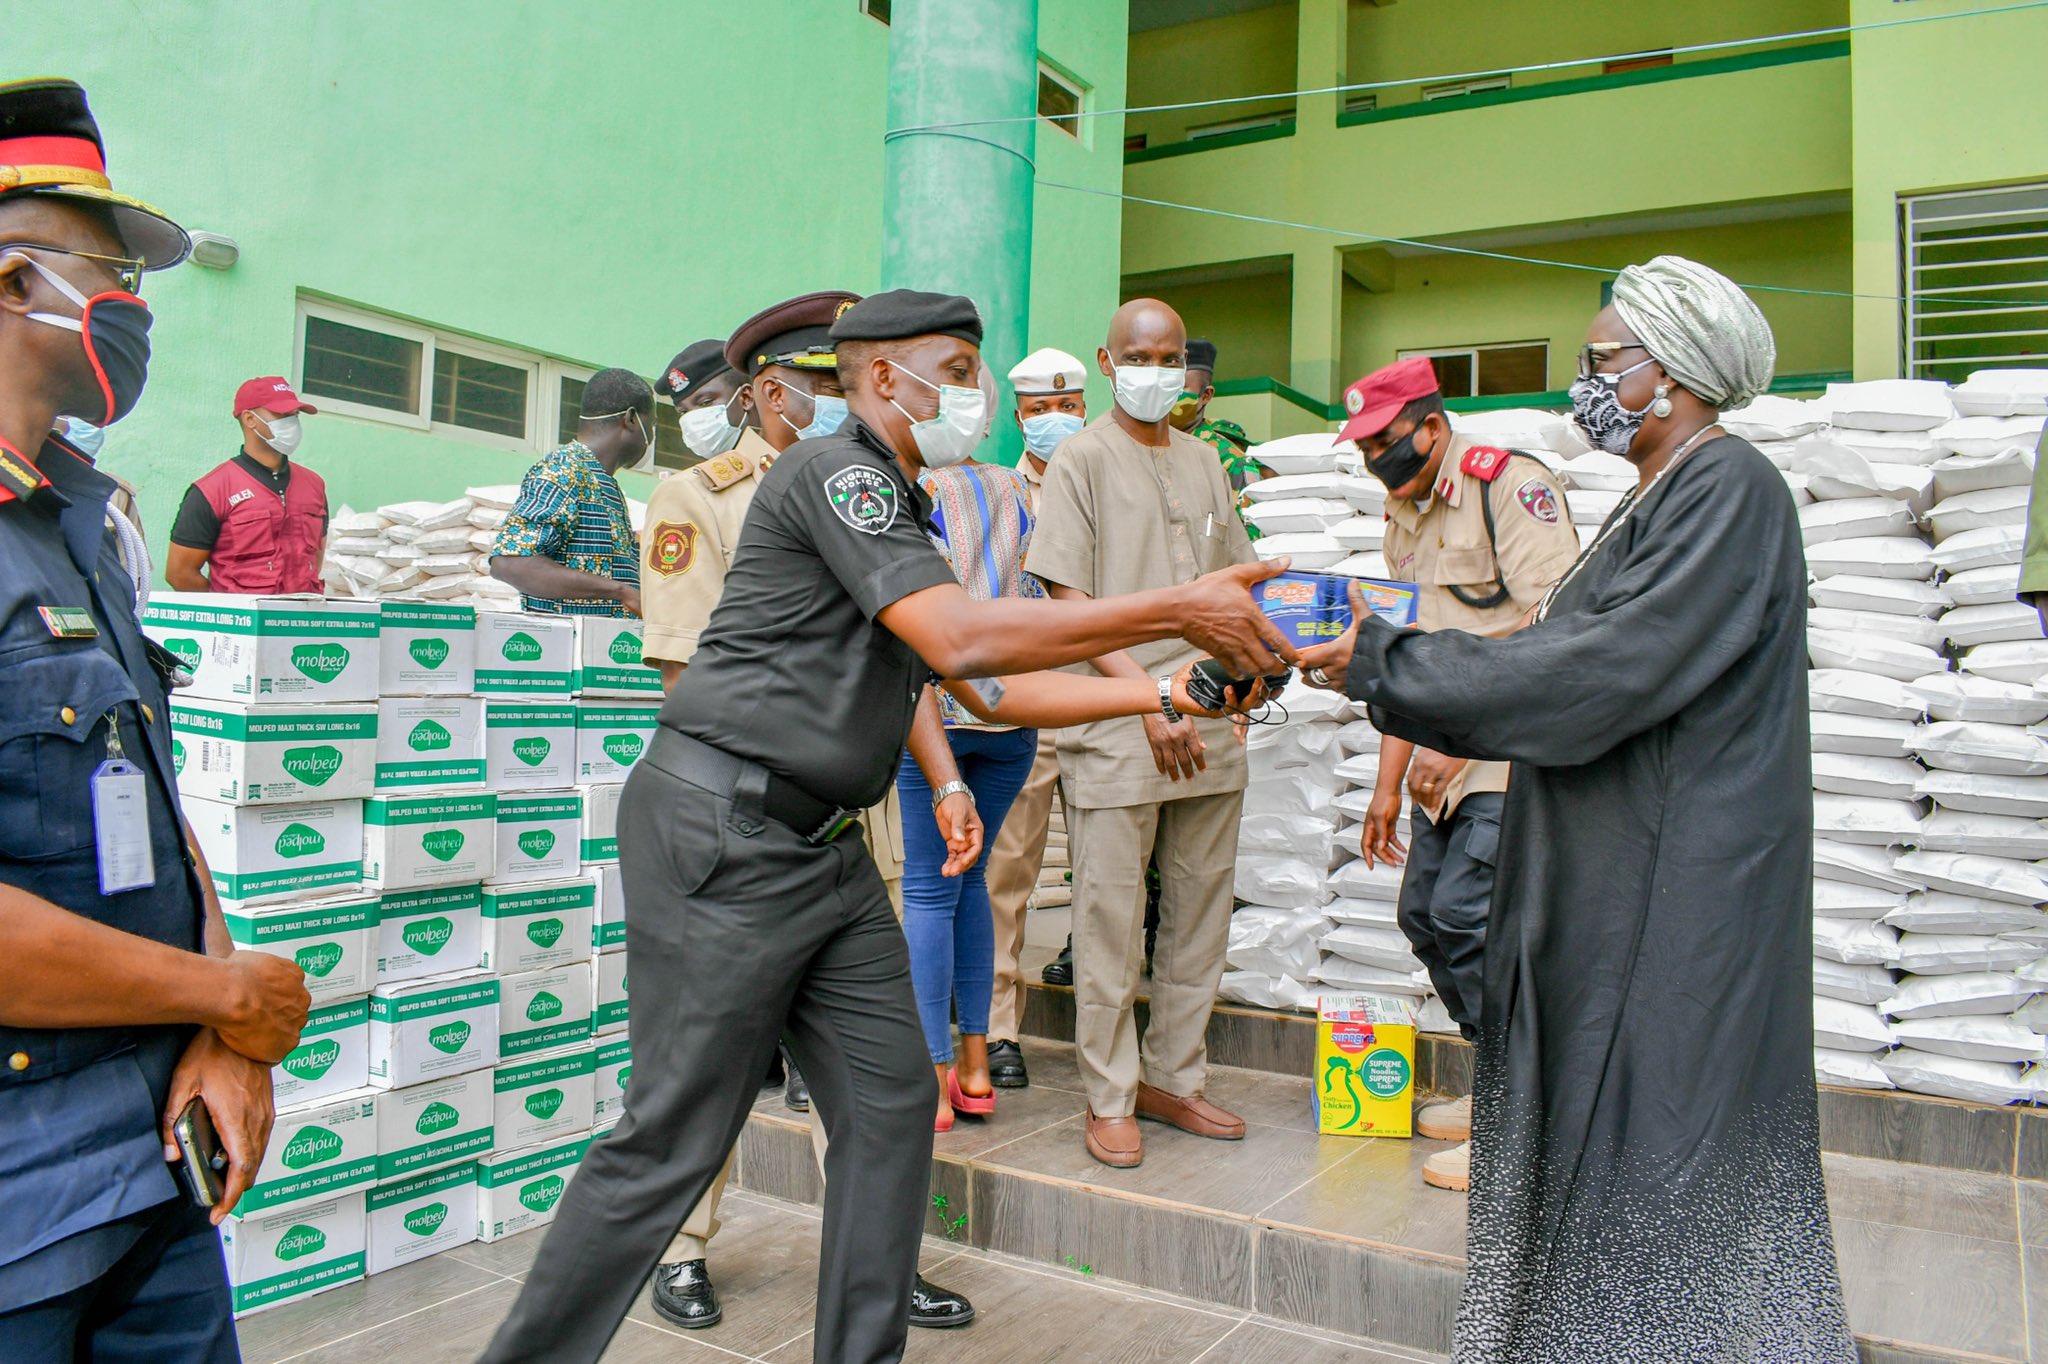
{"x":608,"y":659}
{"x":270,"y":754}
{"x":530,"y":927}
{"x":427,"y":743}
{"x":610,"y":737}
{"x":519,"y":1190}
{"x":426,"y":1029}
{"x":443,"y":839}
{"x":440,"y":1122}
{"x":249,"y":648}
{"x":529,"y":745}
{"x":281,"y":1255}
{"x":546,"y":1096}
{"x":538,"y":835}
{"x":332,"y":1057}
{"x":1365,"y":1066}
{"x":333,"y":940}
{"x":411,"y":1219}
{"x":519,"y":653}
{"x":427,"y":648}
{"x":429,"y":932}
{"x":262,"y":853}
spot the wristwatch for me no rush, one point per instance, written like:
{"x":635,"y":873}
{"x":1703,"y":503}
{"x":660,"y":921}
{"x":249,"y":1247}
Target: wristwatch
{"x":951,"y":788}
{"x":1166,"y":699}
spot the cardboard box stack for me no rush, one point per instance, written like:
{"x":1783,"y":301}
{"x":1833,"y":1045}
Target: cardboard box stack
{"x":417,"y":803}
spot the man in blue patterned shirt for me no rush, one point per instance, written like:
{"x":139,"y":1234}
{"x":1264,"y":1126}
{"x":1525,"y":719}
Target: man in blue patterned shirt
{"x":568,"y":543}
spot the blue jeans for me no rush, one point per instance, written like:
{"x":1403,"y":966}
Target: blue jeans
{"x":946,"y":919}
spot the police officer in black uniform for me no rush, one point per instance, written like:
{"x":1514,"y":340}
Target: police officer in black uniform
{"x":749,"y":910}
{"x":121,"y":998}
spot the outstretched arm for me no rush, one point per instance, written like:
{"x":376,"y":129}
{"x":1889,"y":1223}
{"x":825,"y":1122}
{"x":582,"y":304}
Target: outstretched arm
{"x":1047,"y":700}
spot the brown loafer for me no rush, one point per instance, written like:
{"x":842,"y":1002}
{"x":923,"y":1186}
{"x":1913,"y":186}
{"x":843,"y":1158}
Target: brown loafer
{"x":1115,"y":1141}
{"x":1191,"y":1114}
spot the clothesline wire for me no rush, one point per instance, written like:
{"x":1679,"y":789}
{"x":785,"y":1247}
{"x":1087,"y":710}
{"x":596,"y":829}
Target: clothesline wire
{"x":1530,"y":68}
{"x":1354,"y":235}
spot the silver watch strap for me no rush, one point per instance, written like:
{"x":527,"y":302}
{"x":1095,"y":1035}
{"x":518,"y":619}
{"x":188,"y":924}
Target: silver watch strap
{"x":1166,"y":707}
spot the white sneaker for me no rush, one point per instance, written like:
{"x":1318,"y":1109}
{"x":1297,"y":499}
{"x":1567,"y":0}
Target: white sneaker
{"x":1450,"y":1169}
{"x":1446,"y":1122}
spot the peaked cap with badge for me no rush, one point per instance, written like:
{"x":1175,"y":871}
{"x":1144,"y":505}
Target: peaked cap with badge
{"x":1047,"y":370}
{"x":795,"y":332}
{"x":50,"y":146}
{"x":901,"y":313}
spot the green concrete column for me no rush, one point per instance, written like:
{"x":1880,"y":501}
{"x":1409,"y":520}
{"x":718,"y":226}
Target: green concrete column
{"x":956,"y":202}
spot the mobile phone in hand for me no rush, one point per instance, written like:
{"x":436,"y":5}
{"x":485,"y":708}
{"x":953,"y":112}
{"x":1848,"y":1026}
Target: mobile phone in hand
{"x":203,"y":1162}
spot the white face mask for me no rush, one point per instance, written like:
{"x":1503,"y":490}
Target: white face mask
{"x":1148,"y":392}
{"x":646,"y":461}
{"x":284,"y":433}
{"x":949,"y":437}
{"x":1044,"y":432}
{"x":708,"y":431}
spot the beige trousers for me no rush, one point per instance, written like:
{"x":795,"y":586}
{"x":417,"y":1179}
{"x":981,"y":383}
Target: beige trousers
{"x":1195,"y":841}
{"x":1013,"y":866}
{"x":883,"y":828}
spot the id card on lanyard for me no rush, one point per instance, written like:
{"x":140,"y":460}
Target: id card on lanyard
{"x":120,"y":819}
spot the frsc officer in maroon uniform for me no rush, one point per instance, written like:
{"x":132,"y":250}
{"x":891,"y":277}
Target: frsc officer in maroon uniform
{"x":258,"y":523}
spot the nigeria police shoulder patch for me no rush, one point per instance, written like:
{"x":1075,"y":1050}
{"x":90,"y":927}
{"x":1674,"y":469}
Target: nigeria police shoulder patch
{"x":863,"y":498}
{"x":1537,"y":500}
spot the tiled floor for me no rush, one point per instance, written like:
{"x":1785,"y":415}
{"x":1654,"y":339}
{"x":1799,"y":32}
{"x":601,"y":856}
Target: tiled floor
{"x":444,"y":1309}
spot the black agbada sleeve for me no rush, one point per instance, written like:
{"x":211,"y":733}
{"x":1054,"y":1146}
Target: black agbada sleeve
{"x":1683,"y":604}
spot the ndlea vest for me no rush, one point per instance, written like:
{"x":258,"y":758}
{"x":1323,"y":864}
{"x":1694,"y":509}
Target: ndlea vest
{"x":266,"y":544}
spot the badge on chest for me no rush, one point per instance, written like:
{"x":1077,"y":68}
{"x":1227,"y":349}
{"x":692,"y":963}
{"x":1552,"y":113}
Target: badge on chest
{"x":69,"y":622}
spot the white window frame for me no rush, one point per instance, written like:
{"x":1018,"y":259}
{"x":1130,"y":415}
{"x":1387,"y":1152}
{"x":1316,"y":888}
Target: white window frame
{"x":1473,"y":353}
{"x":1457,"y":89}
{"x":1074,"y":86}
{"x":544,"y":373}
{"x":867,"y":9}
{"x":1920,"y":280}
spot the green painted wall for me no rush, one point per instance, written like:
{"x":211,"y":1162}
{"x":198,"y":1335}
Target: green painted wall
{"x":1247,"y":318}
{"x":599,"y":182}
{"x":1400,"y":41}
{"x":1225,"y":58}
{"x":1954,"y":105}
{"x":1444,"y":301}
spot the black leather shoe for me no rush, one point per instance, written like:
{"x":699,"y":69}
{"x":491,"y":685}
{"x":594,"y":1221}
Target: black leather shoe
{"x":1060,"y":970}
{"x":683,"y":1294}
{"x":936,"y":1308}
{"x":1006,"y":1066}
{"x":795,"y":1092}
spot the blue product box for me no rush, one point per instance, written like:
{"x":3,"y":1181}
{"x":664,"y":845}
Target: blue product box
{"x":1315,"y":608}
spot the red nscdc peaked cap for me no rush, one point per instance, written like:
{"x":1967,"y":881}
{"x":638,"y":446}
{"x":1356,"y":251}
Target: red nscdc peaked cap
{"x":1378,"y":398}
{"x":270,"y":394}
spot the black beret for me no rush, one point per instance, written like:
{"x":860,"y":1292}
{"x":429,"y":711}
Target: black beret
{"x":1202,"y":354}
{"x":796,"y":332}
{"x":699,"y":363}
{"x":899,"y":313}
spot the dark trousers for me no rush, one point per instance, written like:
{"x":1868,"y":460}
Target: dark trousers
{"x":164,"y":1302}
{"x":740,"y":931}
{"x":1445,"y":894}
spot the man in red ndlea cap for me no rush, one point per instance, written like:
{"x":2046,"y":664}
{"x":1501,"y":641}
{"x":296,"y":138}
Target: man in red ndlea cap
{"x":258,"y":522}
{"x":1481,"y":532}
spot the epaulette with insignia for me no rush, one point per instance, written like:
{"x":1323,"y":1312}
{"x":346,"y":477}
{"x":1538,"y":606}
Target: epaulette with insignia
{"x":723,"y":471}
{"x":1485,"y":462}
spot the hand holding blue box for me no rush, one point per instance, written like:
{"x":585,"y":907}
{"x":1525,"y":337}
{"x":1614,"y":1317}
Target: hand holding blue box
{"x":1315,"y":608}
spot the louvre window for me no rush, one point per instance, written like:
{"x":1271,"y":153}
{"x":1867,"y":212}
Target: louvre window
{"x":1975,"y":269}
{"x":1489,"y":371}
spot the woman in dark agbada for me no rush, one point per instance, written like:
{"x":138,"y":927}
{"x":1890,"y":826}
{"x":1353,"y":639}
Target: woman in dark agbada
{"x":1646,"y":1181}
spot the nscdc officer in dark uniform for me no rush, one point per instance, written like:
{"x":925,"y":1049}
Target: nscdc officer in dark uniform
{"x":749,"y":912}
{"x":121,"y":998}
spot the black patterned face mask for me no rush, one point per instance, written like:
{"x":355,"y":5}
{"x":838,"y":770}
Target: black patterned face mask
{"x":1596,"y":407}
{"x":1399,"y":463}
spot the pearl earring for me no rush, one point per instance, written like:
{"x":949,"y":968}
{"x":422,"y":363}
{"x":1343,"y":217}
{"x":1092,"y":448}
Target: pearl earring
{"x":1661,"y":407}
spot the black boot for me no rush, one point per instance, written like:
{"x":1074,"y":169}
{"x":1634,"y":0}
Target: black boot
{"x":1006,"y":1066}
{"x":936,"y":1308}
{"x":1060,"y":970}
{"x":683,"y":1294}
{"x":795,"y":1092}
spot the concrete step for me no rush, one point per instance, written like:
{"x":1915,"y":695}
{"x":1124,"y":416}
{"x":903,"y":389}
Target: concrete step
{"x":1887,"y":1125}
{"x":1339,"y":1234}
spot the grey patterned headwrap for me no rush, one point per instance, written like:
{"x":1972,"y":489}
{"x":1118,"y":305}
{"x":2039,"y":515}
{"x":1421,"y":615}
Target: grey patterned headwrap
{"x":1700,"y":326}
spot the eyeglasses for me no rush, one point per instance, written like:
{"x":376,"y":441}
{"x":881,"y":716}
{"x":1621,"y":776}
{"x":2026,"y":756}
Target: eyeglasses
{"x":128,"y":272}
{"x":1593,"y":353}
